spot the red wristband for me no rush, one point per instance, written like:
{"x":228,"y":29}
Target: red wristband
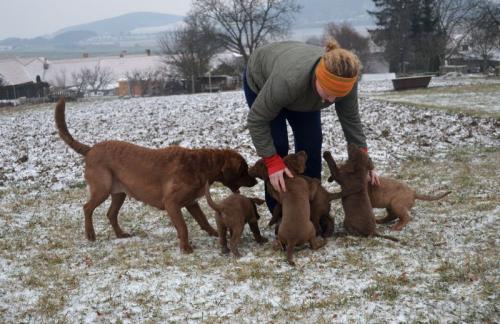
{"x":274,"y":163}
{"x":364,"y":149}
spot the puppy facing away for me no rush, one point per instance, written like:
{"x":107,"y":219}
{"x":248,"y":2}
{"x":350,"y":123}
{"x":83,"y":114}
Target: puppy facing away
{"x":232,"y":214}
{"x":168,"y":178}
{"x":296,"y":227}
{"x":398,"y":199}
{"x":320,"y":209}
{"x":320,"y":203}
{"x":352,"y":177}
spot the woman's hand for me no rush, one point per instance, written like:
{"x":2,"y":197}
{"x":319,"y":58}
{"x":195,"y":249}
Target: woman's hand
{"x":276,"y":168}
{"x":278,"y":181}
{"x":373,"y":178}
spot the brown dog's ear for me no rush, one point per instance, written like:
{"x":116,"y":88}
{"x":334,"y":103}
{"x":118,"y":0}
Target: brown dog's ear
{"x":231,"y":168}
{"x":258,"y":170}
{"x":257,"y":201}
{"x":296,"y":162}
{"x":302,"y":157}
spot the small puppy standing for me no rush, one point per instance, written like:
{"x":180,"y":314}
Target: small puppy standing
{"x":296,"y":227}
{"x":168,"y":178}
{"x":398,"y":199}
{"x":231,"y":214}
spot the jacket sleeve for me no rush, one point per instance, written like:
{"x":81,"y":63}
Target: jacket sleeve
{"x":271,"y":99}
{"x":348,"y":113}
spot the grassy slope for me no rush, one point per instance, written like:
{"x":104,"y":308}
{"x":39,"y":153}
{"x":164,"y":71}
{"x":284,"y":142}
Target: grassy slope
{"x":446,"y":268}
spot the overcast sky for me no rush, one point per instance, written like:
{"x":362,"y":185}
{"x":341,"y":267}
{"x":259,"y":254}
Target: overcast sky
{"x":30,"y":18}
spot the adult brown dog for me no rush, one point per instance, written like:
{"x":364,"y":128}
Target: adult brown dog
{"x":168,"y":178}
{"x":398,"y":199}
{"x":352,"y":177}
{"x":232,"y":214}
{"x":296,"y":227}
{"x":320,"y":203}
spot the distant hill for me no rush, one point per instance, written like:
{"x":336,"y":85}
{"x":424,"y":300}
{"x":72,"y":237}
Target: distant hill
{"x":111,"y":27}
{"x":126,"y":23}
{"x":318,"y":12}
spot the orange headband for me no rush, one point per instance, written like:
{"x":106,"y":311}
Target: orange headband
{"x":333,"y":84}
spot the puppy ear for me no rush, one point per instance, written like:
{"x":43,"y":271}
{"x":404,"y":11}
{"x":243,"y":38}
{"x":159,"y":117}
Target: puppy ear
{"x":296,"y":162}
{"x":258,"y":170}
{"x":302,"y":158}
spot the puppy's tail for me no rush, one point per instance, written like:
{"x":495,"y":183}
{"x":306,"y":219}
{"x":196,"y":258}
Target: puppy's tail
{"x":430,"y":198}
{"x":334,"y":195}
{"x":63,"y":129}
{"x":210,"y":202}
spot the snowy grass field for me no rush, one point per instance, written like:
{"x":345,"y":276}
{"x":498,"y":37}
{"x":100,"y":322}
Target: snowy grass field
{"x":446,"y":268}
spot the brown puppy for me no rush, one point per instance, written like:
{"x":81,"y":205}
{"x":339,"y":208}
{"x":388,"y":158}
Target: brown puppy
{"x":232,"y":213}
{"x":352,"y":178}
{"x":320,"y":209}
{"x":397,"y":198}
{"x":320,"y":203}
{"x":168,"y":178}
{"x":296,"y":227}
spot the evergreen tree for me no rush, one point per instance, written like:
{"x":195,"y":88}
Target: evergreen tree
{"x":410,"y":34}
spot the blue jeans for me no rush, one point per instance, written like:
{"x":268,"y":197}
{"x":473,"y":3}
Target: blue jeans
{"x":306,"y":128}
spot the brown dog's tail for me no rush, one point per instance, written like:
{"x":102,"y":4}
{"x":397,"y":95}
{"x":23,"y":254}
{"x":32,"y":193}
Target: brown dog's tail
{"x":63,"y":130}
{"x":430,"y":198}
{"x":334,"y":195}
{"x":210,"y":202}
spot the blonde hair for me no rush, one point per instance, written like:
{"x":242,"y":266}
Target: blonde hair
{"x":340,"y":61}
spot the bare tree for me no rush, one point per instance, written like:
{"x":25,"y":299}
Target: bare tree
{"x":149,"y":81}
{"x":232,"y":66}
{"x":457,"y":19}
{"x":79,"y":80}
{"x":99,"y":78}
{"x":485,"y":37}
{"x":2,"y":82}
{"x":349,"y":39}
{"x":95,"y":79}
{"x":190,"y":49}
{"x":244,"y":25}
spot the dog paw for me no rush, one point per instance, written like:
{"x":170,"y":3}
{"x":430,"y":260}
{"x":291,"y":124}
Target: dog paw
{"x":225,"y":250}
{"x":90,"y":236}
{"x":186,"y":249}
